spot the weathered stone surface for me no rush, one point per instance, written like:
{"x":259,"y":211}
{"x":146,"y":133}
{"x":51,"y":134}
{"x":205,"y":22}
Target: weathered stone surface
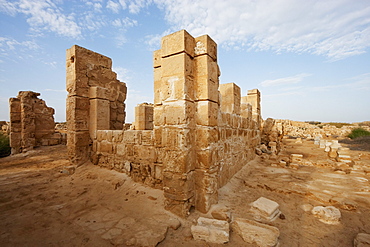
{"x":265,"y":209}
{"x":31,"y":123}
{"x":220,"y":212}
{"x":328,"y":215}
{"x":256,"y":233}
{"x":362,"y":240}
{"x":211,"y":230}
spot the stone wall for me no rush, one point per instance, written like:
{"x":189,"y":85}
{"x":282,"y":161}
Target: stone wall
{"x":95,"y":100}
{"x":31,"y":123}
{"x":195,"y":136}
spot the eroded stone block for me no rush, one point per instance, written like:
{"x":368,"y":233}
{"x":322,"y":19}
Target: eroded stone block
{"x":211,"y":230}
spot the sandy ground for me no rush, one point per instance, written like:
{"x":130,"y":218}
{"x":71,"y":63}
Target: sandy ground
{"x":40,"y":206}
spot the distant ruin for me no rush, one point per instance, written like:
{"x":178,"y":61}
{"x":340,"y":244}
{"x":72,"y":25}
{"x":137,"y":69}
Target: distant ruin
{"x":189,"y":143}
{"x":31,"y":123}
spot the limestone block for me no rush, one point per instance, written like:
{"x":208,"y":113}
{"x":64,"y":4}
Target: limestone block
{"x":177,"y":88}
{"x":182,"y":161}
{"x":220,"y":212}
{"x":205,"y":136}
{"x":99,"y":115}
{"x":344,"y":158}
{"x":98,"y":93}
{"x":179,"y":112}
{"x":180,"y":65}
{"x":159,"y":116}
{"x":254,"y":98}
{"x":77,"y":85}
{"x":14,"y":105}
{"x":298,"y":140}
{"x":296,"y":158}
{"x":77,"y":113}
{"x":362,"y":240}
{"x":146,"y":153}
{"x":245,"y":108}
{"x":132,"y":137}
{"x":211,"y":230}
{"x":206,"y":67}
{"x":147,"y":137}
{"x":178,"y":42}
{"x":144,"y":117}
{"x":265,"y":209}
{"x":256,"y":233}
{"x":159,"y":95}
{"x":158,"y":171}
{"x":230,"y":98}
{"x":204,"y":45}
{"x":78,"y":139}
{"x":322,"y":143}
{"x":178,"y":187}
{"x":117,"y":135}
{"x":328,"y":215}
{"x":157,"y":58}
{"x":206,"y":159}
{"x":206,"y":190}
{"x":207,"y":113}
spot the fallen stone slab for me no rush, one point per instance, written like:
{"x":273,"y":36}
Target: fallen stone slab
{"x":328,"y":215}
{"x":265,"y":209}
{"x":256,"y":233}
{"x":220,"y":212}
{"x":362,"y":240}
{"x":211,"y":230}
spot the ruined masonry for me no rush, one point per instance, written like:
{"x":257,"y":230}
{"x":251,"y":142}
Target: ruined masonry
{"x":189,"y":143}
{"x":31,"y":123}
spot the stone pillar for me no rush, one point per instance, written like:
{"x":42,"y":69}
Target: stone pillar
{"x":15,"y":125}
{"x":144,"y":117}
{"x":254,"y":98}
{"x":174,"y":120}
{"x":206,"y":135}
{"x":230,"y":98}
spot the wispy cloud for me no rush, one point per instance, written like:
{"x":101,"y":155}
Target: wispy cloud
{"x":335,"y":29}
{"x":284,"y":81}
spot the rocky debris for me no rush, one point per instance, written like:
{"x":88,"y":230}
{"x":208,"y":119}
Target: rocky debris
{"x":69,"y":170}
{"x":362,"y":240}
{"x":306,"y":207}
{"x":256,"y":233}
{"x":328,"y":215}
{"x":211,"y":230}
{"x":220,"y":212}
{"x":265,"y":209}
{"x":296,"y":158}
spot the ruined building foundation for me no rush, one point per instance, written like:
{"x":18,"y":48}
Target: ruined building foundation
{"x":189,"y":143}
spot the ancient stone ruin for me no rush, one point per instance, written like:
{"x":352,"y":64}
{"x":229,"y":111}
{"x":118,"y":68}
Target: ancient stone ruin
{"x":189,"y":143}
{"x":31,"y":123}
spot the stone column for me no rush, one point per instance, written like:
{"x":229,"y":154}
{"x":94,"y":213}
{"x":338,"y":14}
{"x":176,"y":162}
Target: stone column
{"x":174,"y":120}
{"x":15,"y":125}
{"x":207,"y":134}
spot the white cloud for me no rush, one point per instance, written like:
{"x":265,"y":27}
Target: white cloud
{"x":335,"y":29}
{"x":284,"y":81}
{"x":44,"y":15}
{"x":124,"y":22}
{"x":12,"y":44}
{"x":7,"y":7}
{"x":113,"y":6}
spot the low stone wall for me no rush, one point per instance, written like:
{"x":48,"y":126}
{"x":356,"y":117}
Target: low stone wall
{"x":131,"y":152}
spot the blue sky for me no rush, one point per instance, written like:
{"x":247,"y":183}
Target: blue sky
{"x":309,"y":59}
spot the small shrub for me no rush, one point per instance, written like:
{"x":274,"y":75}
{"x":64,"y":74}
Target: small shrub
{"x":4,"y":145}
{"x":358,"y":132}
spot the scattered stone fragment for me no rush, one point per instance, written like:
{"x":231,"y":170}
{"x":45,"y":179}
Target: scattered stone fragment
{"x":306,"y":207}
{"x":322,"y":143}
{"x":344,"y":158}
{"x":211,"y":230}
{"x":256,"y":233}
{"x":69,"y":170}
{"x":298,"y":140}
{"x":328,"y":215}
{"x":296,"y":158}
{"x":220,"y":212}
{"x":265,"y":209}
{"x":362,"y":240}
